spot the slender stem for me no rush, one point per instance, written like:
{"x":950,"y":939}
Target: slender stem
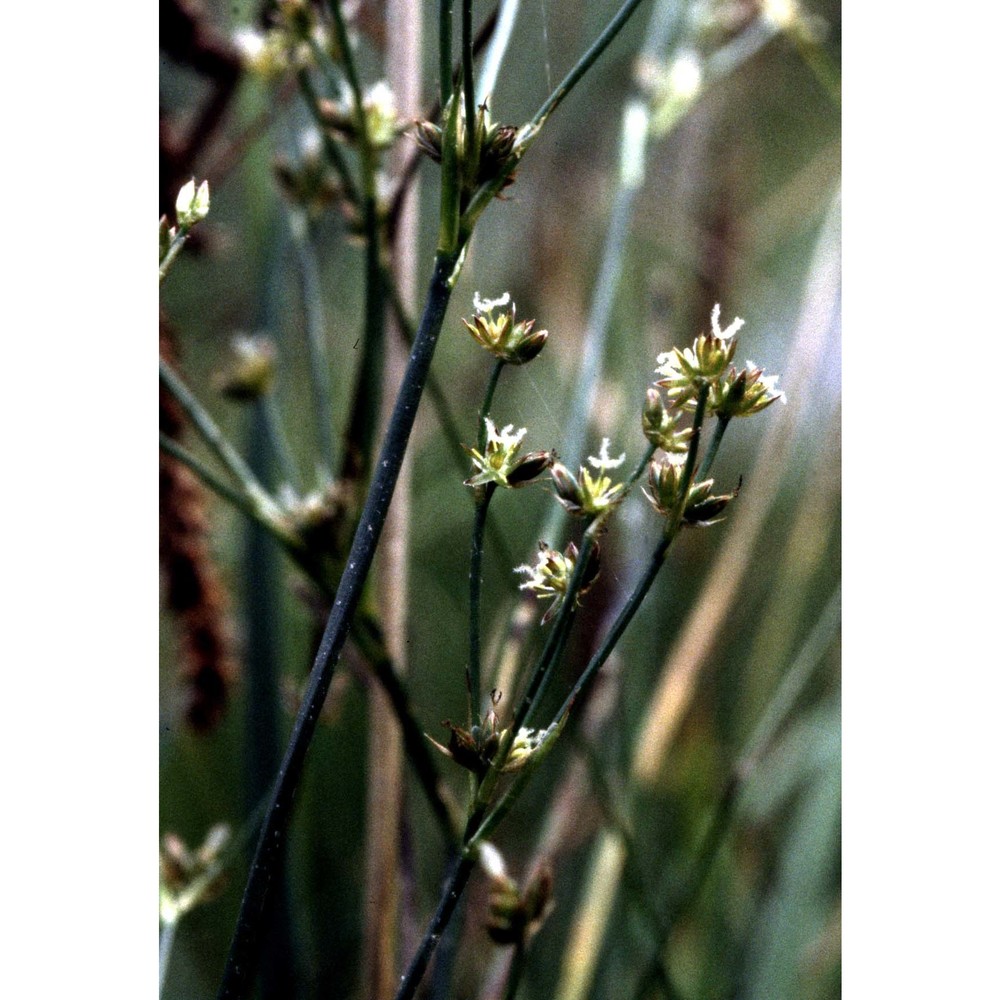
{"x":637,"y":596}
{"x":217,"y":441}
{"x":474,"y":678}
{"x":167,"y":936}
{"x":529,"y":133}
{"x":557,"y":636}
{"x":468,"y":88}
{"x":279,"y":442}
{"x":454,"y":886}
{"x":497,"y":50}
{"x":641,"y":467}
{"x":239,"y":500}
{"x":484,"y":410}
{"x":368,"y":388}
{"x":176,"y":245}
{"x":445,"y":417}
{"x":444,"y":48}
{"x":588,"y":59}
{"x":239,"y":969}
{"x":713,"y":446}
{"x":319,"y":362}
{"x":517,"y":963}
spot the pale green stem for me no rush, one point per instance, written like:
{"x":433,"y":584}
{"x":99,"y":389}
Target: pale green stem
{"x":167,"y":935}
{"x":176,"y":245}
{"x":217,"y":441}
{"x":497,"y":50}
{"x":278,"y":439}
{"x":468,"y":87}
{"x":721,"y":424}
{"x":239,"y":500}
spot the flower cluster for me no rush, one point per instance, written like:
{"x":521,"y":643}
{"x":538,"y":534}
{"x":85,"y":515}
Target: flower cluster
{"x":492,"y":147}
{"x":552,"y":572}
{"x":502,"y":335}
{"x":707,"y":363}
{"x":701,"y":509}
{"x":499,"y":463}
{"x":590,"y":495}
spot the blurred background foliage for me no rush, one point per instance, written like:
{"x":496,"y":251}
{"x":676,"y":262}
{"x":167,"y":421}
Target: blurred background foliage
{"x":732,"y":873}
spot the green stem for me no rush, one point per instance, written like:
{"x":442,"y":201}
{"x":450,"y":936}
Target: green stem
{"x":474,"y":678}
{"x":167,"y":936}
{"x":455,"y":884}
{"x":517,"y":963}
{"x":444,"y":48}
{"x":641,"y":467}
{"x":368,"y":389}
{"x":366,"y":634}
{"x":529,"y":132}
{"x":176,"y":245}
{"x":445,"y":417}
{"x":557,"y":637}
{"x":468,"y":87}
{"x":217,"y":441}
{"x":278,"y":440}
{"x":233,"y":496}
{"x":653,"y":567}
{"x":239,"y":969}
{"x":484,"y":410}
{"x":713,"y":446}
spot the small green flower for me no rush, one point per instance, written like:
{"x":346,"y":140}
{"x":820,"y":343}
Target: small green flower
{"x":745,"y":393}
{"x":500,"y":464}
{"x":660,"y":426}
{"x":552,"y":572}
{"x":379,"y":105}
{"x":686,"y":370}
{"x":701,"y":509}
{"x":590,"y":495}
{"x":506,"y":339}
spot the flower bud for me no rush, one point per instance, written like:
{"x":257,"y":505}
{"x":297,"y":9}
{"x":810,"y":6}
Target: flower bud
{"x":250,"y":374}
{"x":192,"y":205}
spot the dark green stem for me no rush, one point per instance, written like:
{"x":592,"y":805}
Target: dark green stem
{"x":713,"y":446}
{"x":239,"y":970}
{"x":474,"y":677}
{"x":444,"y":48}
{"x":517,"y":963}
{"x":529,"y":133}
{"x":468,"y":87}
{"x":637,"y":596}
{"x":368,"y":388}
{"x":484,"y":410}
{"x":457,"y":880}
{"x":641,"y":467}
{"x":557,"y":637}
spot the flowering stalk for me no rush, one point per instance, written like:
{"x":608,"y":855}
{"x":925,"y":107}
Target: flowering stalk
{"x":653,"y":567}
{"x":270,"y":847}
{"x":473,"y":679}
